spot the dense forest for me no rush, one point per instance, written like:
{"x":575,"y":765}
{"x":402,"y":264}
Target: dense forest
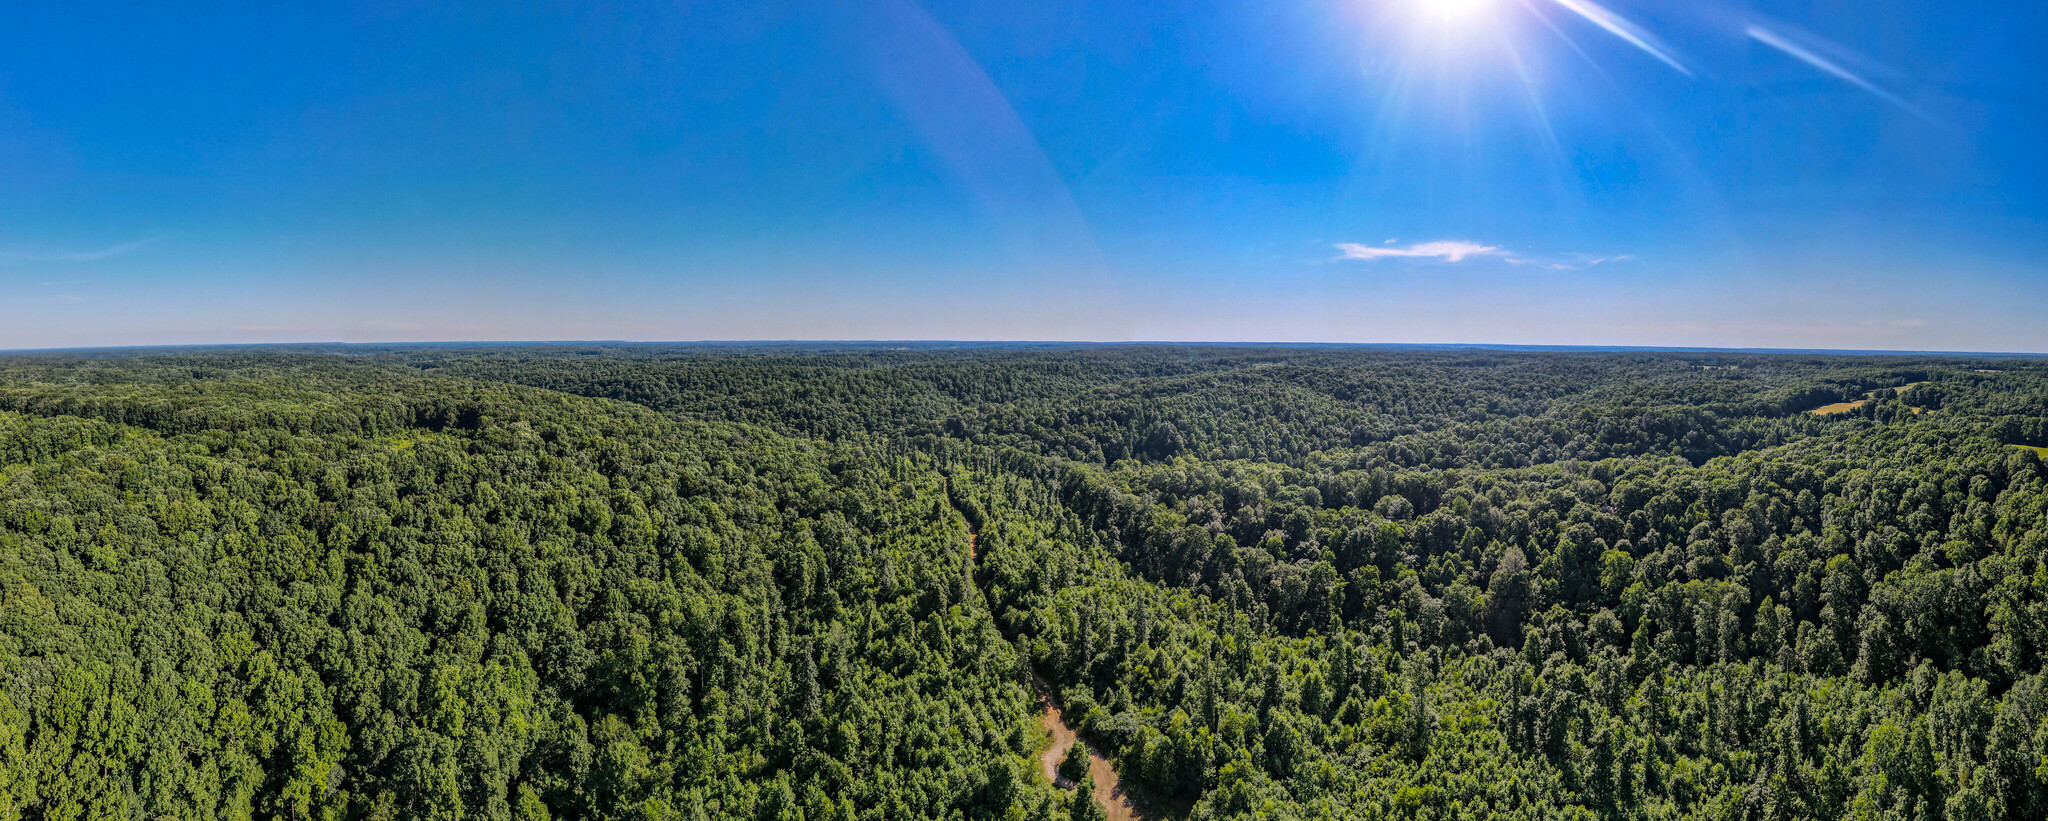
{"x":824,"y":582}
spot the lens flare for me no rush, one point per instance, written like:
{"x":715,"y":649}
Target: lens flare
{"x":1810,"y":56}
{"x":1629,"y":32}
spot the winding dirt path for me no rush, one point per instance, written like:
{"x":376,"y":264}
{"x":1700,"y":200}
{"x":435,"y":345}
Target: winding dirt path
{"x":1109,"y":792}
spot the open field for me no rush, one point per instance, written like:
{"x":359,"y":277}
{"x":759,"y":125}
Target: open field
{"x":1845,"y":407}
{"x":2038,"y":450}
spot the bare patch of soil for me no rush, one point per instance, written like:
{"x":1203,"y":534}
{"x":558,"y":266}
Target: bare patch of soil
{"x":1109,"y":792}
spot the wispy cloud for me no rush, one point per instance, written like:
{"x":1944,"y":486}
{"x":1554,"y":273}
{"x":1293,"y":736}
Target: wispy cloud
{"x":88,"y":255}
{"x":1570,"y":262}
{"x":1573,"y":262}
{"x":1808,"y":52}
{"x":1461,"y":250}
{"x":1446,"y":250}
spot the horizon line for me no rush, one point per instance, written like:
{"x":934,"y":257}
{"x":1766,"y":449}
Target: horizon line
{"x":1500,"y":346}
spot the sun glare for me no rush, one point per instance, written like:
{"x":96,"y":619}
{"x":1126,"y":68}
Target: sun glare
{"x":1450,"y":28}
{"x":1453,"y":12}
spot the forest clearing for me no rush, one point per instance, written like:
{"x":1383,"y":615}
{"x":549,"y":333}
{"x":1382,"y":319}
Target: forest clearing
{"x":1844,"y":407}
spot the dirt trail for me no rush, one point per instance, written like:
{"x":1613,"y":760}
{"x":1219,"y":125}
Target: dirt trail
{"x":1109,"y":792}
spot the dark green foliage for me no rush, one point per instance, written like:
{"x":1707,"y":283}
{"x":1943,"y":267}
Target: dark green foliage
{"x":1074,"y":764}
{"x":561,"y":608}
{"x":1082,"y":806}
{"x":712,"y":582}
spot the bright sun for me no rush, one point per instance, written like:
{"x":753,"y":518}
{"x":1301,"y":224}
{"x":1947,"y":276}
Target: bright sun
{"x":1450,"y":12}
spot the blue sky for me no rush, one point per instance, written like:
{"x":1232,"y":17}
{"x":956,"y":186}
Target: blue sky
{"x":1814,"y":174}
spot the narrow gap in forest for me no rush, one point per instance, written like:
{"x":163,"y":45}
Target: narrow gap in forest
{"x":1108,"y":792}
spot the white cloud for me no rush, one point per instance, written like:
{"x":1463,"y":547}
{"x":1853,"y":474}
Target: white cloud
{"x":1461,"y":250}
{"x":1446,"y":250}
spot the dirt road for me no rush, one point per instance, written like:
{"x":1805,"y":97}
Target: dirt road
{"x":1109,"y":792}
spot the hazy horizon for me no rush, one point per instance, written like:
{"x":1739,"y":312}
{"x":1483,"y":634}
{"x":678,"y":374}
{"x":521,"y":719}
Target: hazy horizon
{"x":944,"y":344}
